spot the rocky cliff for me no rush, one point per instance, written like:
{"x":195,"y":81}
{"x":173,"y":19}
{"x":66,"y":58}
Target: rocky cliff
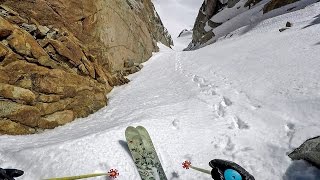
{"x":217,"y":18}
{"x":59,"y":59}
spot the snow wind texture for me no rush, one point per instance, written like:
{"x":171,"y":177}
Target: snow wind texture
{"x":248,"y":98}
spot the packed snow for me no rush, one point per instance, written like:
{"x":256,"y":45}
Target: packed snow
{"x":250,"y":98}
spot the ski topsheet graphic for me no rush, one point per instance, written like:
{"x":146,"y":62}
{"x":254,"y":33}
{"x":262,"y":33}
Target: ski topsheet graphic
{"x":144,"y":154}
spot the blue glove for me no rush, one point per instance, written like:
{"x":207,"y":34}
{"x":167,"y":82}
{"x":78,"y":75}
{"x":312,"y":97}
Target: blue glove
{"x":227,"y":170}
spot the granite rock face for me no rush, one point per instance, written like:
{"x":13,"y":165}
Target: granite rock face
{"x":59,"y":59}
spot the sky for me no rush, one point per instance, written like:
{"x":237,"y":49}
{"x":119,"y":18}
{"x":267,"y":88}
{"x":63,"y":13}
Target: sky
{"x":177,"y":15}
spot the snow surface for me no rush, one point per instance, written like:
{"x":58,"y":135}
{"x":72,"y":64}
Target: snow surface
{"x":249,"y":98}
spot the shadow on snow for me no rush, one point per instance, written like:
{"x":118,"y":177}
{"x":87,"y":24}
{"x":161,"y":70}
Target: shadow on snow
{"x":314,"y":22}
{"x":301,"y":170}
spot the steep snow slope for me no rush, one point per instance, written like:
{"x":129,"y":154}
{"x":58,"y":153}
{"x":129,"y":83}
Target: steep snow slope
{"x":249,"y":98}
{"x":228,"y":19}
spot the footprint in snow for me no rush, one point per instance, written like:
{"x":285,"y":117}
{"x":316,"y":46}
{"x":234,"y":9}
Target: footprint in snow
{"x":220,"y":109}
{"x":230,"y":145}
{"x":290,"y":129}
{"x":176,"y":124}
{"x":208,"y":91}
{"x":239,"y":124}
{"x":197,"y":79}
{"x":174,"y":175}
{"x":224,"y":144}
{"x":205,"y":86}
{"x":226,"y":102}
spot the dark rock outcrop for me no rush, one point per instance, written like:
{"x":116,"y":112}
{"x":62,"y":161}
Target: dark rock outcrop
{"x":308,"y":151}
{"x":274,"y":4}
{"x":208,"y":9}
{"x":206,"y":21}
{"x":185,"y":32}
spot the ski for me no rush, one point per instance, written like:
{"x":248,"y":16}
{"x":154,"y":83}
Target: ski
{"x":144,"y":154}
{"x":145,"y":135}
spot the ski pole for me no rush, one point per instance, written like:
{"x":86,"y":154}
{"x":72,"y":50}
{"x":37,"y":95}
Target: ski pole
{"x":187,"y":165}
{"x":112,"y":173}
